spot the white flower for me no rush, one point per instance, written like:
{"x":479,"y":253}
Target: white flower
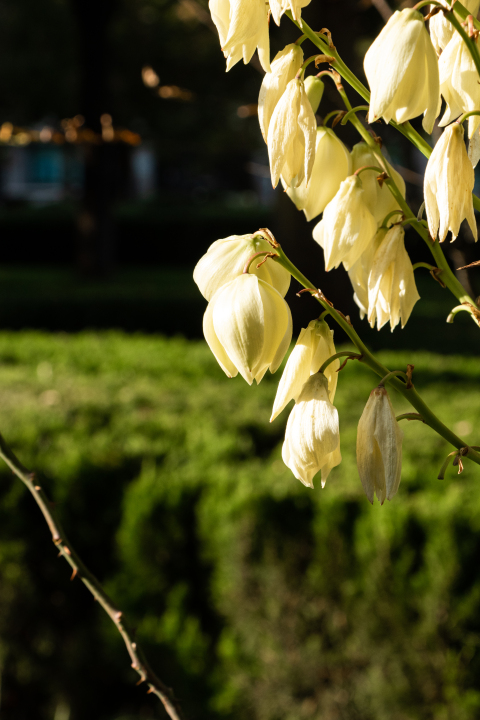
{"x":442,"y":31}
{"x":242,"y":27}
{"x":248,"y":326}
{"x":278,"y":7}
{"x":291,"y":136}
{"x":379,"y":447}
{"x":225,"y":259}
{"x":332,"y":165}
{"x":347,"y":227}
{"x":378,"y":198}
{"x":392,"y":292}
{"x":360,"y":271}
{"x":459,"y":83}
{"x":448,"y":185}
{"x":313,"y":347}
{"x":312,"y":437}
{"x":402,"y":71}
{"x":284,"y":68}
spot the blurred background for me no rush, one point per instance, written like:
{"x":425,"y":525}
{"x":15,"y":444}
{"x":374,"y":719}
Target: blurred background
{"x":125,"y":150}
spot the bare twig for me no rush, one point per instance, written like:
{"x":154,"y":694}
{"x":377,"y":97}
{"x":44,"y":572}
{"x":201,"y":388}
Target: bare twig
{"x":137,"y":657}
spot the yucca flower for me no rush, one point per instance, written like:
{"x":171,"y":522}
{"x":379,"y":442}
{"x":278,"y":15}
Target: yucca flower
{"x":392,"y":292}
{"x":313,"y":347}
{"x":360,"y":271}
{"x":442,"y":31}
{"x":379,"y":447}
{"x":225,"y":260}
{"x":248,"y":326}
{"x":278,"y":7}
{"x":459,"y":83}
{"x":402,"y":71}
{"x":312,"y":437}
{"x":347,"y":227}
{"x":331,"y":166}
{"x":242,"y":27}
{"x":291,"y":136}
{"x":285,"y":66}
{"x":448,"y":186}
{"x":378,"y":198}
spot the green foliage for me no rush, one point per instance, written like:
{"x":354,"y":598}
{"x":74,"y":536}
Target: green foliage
{"x":254,"y":596}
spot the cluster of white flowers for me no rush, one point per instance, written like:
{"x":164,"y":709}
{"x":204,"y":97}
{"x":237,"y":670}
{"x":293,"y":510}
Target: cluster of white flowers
{"x":361,"y":198}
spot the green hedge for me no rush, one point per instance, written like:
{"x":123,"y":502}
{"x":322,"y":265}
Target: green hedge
{"x":254,"y":596}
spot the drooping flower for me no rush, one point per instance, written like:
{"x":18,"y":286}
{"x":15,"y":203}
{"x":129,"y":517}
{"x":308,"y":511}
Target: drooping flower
{"x":392,"y":292}
{"x":347,"y":227}
{"x":312,"y":437}
{"x":402,"y":71}
{"x":379,"y":447}
{"x":459,"y":83}
{"x":314,"y":88}
{"x":313,"y":347}
{"x":278,"y":7}
{"x":291,"y":136}
{"x":378,"y":197}
{"x":285,"y":66}
{"x":442,"y":31}
{"x":448,"y":185}
{"x":360,"y":271}
{"x":242,"y":27}
{"x":248,"y":326}
{"x":225,"y":260}
{"x":332,"y":165}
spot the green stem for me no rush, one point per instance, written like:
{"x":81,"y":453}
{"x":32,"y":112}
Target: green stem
{"x":391,"y":374}
{"x":463,"y":13}
{"x":369,"y":359}
{"x":423,"y":265}
{"x":342,"y":353}
{"x":330,"y":115}
{"x":465,"y":116}
{"x":352,"y":111}
{"x":410,"y":416}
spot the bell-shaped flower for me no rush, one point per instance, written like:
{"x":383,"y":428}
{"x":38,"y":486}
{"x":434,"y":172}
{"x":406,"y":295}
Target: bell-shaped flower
{"x":225,"y":260}
{"x":284,"y":68}
{"x":379,"y":447}
{"x":313,"y":347}
{"x":312,"y":437}
{"x":448,"y":185}
{"x":378,"y":198}
{"x":248,"y":326}
{"x":442,"y":31}
{"x":347,"y":227}
{"x":291,"y":136}
{"x":332,"y":165}
{"x":360,"y":271}
{"x":314,"y":88}
{"x":392,"y":292}
{"x":278,"y":7}
{"x":242,"y":27}
{"x":459,"y":83}
{"x":402,"y":71}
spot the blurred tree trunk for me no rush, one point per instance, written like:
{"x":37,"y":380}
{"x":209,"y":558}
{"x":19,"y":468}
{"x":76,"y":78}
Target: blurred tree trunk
{"x":94,"y":250}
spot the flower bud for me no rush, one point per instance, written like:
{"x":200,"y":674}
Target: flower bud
{"x":402,"y":71}
{"x":278,"y":7}
{"x":225,"y":260}
{"x":332,"y":165}
{"x":347,"y":227}
{"x":392,"y":292}
{"x":291,"y":136}
{"x":312,"y":437}
{"x":378,"y":198}
{"x":314,"y":88}
{"x":448,"y":185}
{"x":284,"y":68}
{"x":313,"y":347}
{"x":379,"y":447}
{"x":248,"y":326}
{"x":459,"y":83}
{"x":442,"y":31}
{"x":242,"y":27}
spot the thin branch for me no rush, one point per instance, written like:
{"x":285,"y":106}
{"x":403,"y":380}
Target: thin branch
{"x":137,"y":657}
